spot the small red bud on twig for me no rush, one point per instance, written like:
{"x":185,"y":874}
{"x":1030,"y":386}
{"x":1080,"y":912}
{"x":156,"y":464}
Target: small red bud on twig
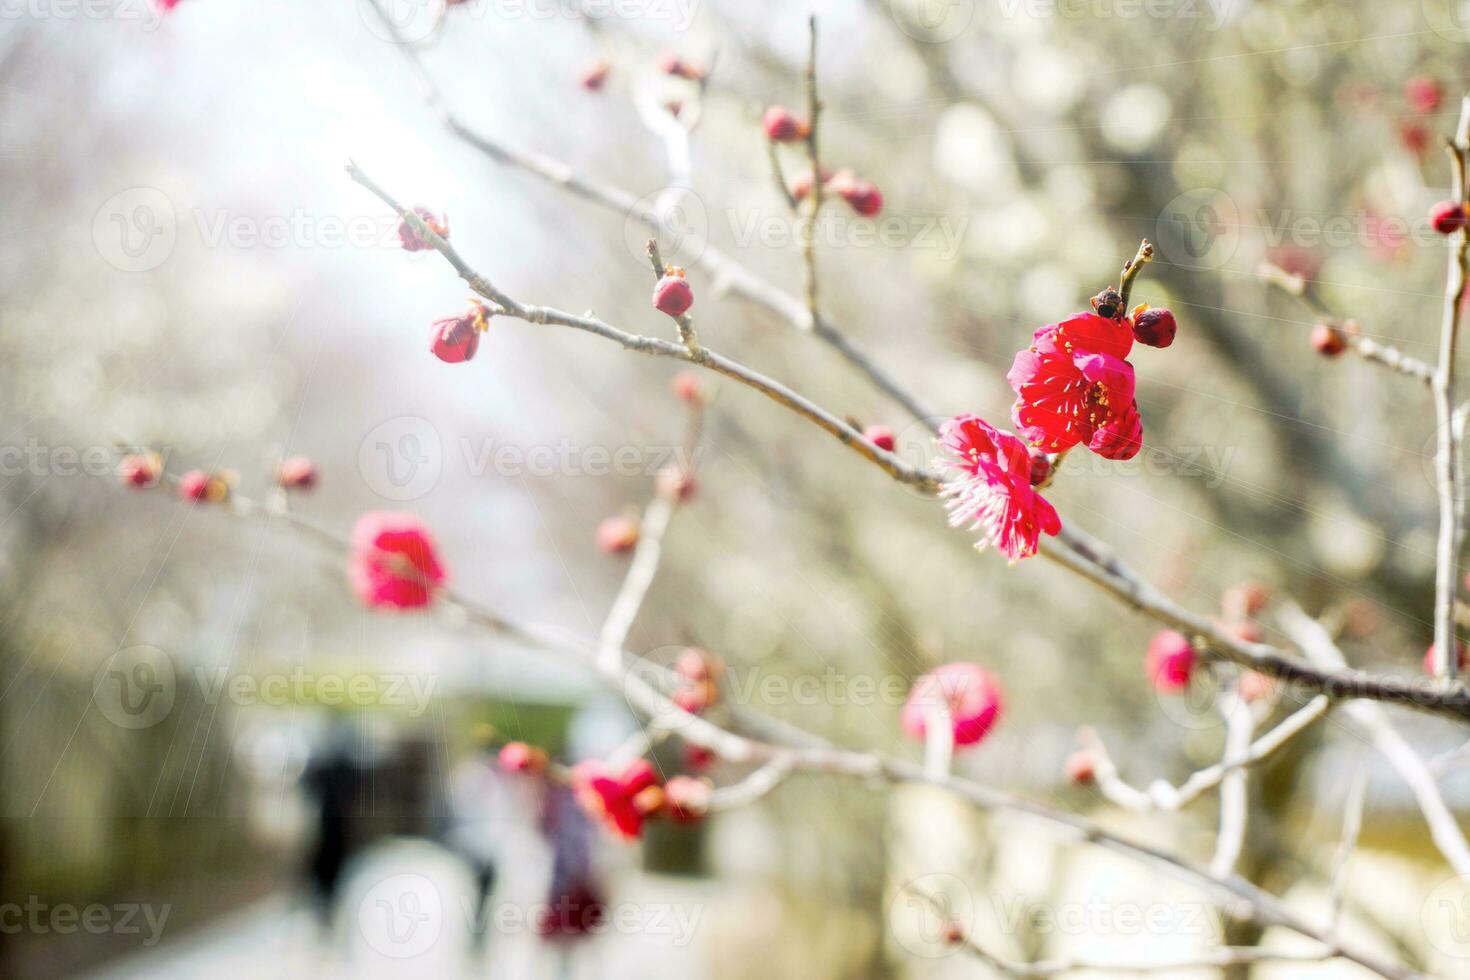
{"x":672,"y":295}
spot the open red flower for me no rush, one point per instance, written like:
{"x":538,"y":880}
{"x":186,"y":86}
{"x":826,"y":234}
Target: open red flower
{"x":1074,"y":386}
{"x":619,"y":801}
{"x":393,"y":561}
{"x":993,"y":487}
{"x":968,"y":692}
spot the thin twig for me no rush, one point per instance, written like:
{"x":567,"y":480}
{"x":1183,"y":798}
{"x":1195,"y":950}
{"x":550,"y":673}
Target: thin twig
{"x":1071,"y":548}
{"x":814,"y":160}
{"x":1444,"y":830}
{"x":1447,"y":449}
{"x":1352,"y":825}
{"x":1131,"y":269}
{"x":1234,"y":802}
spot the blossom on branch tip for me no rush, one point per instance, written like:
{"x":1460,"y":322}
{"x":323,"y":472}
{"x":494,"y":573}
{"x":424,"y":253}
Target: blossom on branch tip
{"x":211,"y":488}
{"x":1170,"y":661}
{"x":393,"y":562}
{"x":1245,"y":599}
{"x":676,"y":483}
{"x":412,"y":241}
{"x":672,"y":295}
{"x":783,"y":127}
{"x":968,"y":693}
{"x":454,"y":339}
{"x":1073,"y":387}
{"x":991,"y":489}
{"x":619,"y":801}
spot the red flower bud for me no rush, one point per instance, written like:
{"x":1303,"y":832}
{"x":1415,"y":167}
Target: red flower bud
{"x":1170,"y":661}
{"x":802,"y":186}
{"x":141,"y":470}
{"x":412,"y":241}
{"x":1328,"y":340}
{"x":1423,"y":93}
{"x":617,"y":535}
{"x":520,"y":757}
{"x":697,"y":757}
{"x":782,"y":127}
{"x":1414,"y":137}
{"x":686,"y":799}
{"x":296,"y":473}
{"x":687,"y":387}
{"x":672,"y":294}
{"x":456,"y":338}
{"x":1447,"y":217}
{"x":1246,"y":631}
{"x":1155,"y":327}
{"x":1255,"y":686}
{"x":880,"y":436}
{"x":1080,"y":769}
{"x":863,"y":196}
{"x":194,"y":485}
{"x":594,"y":76}
{"x":676,"y":483}
{"x":1040,"y":465}
{"x":1462,"y":658}
{"x":671,"y":64}
{"x":1245,"y":599}
{"x":696,"y":665}
{"x":674,"y":107}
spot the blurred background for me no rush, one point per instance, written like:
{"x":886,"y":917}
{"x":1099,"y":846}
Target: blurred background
{"x":214,"y":762}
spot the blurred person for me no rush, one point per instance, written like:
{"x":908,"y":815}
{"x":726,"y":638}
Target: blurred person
{"x":574,"y":905}
{"x":332,"y":778}
{"x":478,"y":808}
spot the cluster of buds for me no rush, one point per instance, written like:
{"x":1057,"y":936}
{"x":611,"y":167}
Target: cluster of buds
{"x":1240,"y":605}
{"x":863,"y":196}
{"x":412,"y":241}
{"x":623,"y":800}
{"x":145,"y":470}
